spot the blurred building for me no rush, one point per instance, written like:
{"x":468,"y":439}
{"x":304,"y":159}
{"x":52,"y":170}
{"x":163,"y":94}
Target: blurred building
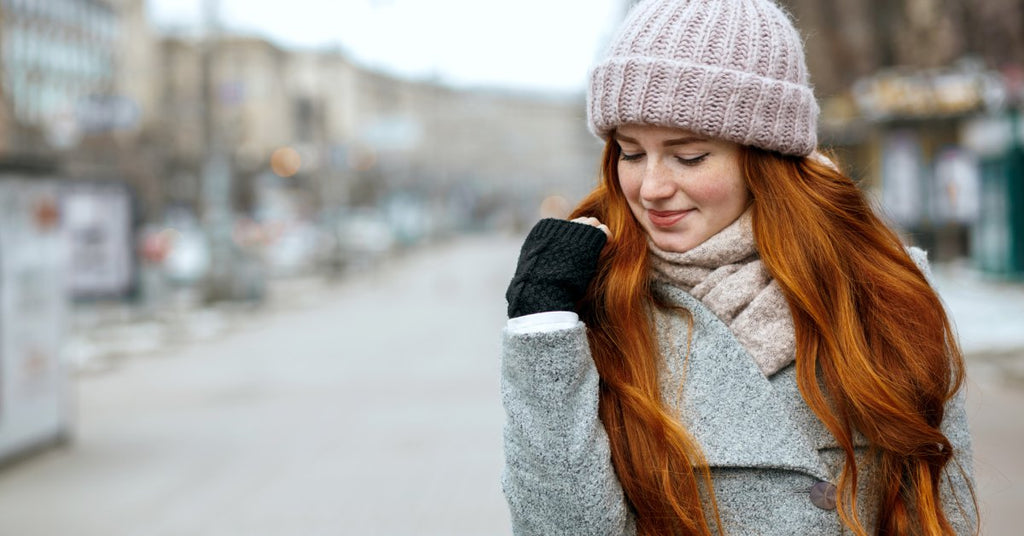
{"x":77,"y":111}
{"x":846,"y":40}
{"x":137,"y":87}
{"x":77,"y":92}
{"x":358,"y":136}
{"x":58,"y":59}
{"x":497,"y":144}
{"x":217,"y":132}
{"x":850,"y":39}
{"x":904,"y":86}
{"x":242,"y":108}
{"x":181,"y":112}
{"x":261,"y":101}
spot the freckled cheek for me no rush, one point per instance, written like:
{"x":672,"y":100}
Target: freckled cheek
{"x":630,"y":186}
{"x":710,"y":193}
{"x":716,"y":191}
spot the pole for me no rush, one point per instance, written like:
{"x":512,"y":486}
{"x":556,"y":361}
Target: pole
{"x":216,"y":171}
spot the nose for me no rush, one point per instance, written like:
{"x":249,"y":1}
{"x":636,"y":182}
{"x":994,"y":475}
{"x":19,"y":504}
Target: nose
{"x":657,"y":183}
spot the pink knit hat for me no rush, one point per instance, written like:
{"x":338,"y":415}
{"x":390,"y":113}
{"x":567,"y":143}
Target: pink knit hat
{"x":728,"y":69}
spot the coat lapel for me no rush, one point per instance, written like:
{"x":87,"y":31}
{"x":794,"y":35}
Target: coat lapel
{"x":739,"y":417}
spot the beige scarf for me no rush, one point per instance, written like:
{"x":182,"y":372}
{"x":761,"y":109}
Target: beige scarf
{"x":726,"y":274}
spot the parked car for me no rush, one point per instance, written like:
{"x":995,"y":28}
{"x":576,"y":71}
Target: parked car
{"x":364,"y":237}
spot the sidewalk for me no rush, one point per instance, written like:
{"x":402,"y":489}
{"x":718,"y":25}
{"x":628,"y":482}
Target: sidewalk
{"x":988,"y":313}
{"x":261,"y":435}
{"x":101,"y":333}
{"x":989,"y":317}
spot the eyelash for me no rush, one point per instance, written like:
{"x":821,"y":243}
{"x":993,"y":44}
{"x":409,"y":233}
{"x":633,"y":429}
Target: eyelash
{"x":685,"y":161}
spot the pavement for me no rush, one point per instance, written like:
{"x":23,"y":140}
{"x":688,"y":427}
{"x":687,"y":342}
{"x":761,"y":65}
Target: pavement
{"x":368,"y":405}
{"x":988,"y":314}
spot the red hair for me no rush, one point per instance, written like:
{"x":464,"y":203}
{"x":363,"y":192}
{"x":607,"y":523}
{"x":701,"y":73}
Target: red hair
{"x":875,"y":351}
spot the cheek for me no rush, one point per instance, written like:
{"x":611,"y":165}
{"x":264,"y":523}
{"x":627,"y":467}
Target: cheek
{"x":710,"y":192}
{"x":630,"y":185}
{"x":714,"y":191}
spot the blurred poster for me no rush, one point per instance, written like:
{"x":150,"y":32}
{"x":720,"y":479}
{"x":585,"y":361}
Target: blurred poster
{"x":97,"y":222}
{"x":958,"y":185}
{"x":34,"y":384}
{"x":901,"y":178}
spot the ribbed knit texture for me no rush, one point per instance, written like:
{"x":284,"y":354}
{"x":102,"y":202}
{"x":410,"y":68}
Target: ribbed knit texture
{"x":728,"y":69}
{"x":556,"y":264}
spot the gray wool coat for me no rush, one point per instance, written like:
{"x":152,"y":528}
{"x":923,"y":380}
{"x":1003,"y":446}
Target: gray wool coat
{"x":765,"y":446}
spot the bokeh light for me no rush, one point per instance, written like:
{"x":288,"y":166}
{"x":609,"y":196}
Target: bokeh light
{"x":285,"y":161}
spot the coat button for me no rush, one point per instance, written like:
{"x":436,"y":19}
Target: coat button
{"x":823,"y":495}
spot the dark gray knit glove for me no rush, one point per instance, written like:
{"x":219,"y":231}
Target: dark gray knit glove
{"x":556,"y":264}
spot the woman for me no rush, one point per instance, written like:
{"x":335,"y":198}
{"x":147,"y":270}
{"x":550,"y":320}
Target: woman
{"x":726,"y":339}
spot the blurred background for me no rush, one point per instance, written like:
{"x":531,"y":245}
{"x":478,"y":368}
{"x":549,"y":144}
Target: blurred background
{"x":253,"y":254}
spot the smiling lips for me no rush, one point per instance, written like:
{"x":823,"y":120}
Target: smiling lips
{"x":666,"y":218}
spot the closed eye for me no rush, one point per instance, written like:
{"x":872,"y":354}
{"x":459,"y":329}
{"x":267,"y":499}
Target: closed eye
{"x":630,"y":157}
{"x":693,"y":161}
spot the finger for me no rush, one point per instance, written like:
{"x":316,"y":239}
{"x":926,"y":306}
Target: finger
{"x":588,"y":220}
{"x":594,"y":222}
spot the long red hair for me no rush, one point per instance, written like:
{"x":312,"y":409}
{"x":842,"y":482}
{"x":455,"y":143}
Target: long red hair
{"x":875,"y":351}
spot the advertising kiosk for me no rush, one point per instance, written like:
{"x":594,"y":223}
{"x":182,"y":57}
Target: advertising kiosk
{"x":35,"y":387}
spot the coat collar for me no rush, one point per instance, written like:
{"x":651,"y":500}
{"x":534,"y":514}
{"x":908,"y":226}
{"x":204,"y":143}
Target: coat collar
{"x":740,"y":417}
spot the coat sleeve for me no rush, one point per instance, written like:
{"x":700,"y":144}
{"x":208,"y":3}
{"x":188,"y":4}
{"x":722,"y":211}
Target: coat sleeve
{"x":558,"y":476}
{"x":956,"y":493}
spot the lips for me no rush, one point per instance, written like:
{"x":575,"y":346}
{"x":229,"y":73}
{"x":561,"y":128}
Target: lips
{"x":666,"y":218}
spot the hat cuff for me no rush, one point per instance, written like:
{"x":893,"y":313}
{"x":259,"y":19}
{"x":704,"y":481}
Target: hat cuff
{"x":721,"y":103}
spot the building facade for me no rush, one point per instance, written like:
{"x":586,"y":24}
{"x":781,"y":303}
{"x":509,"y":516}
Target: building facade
{"x":59,"y":69}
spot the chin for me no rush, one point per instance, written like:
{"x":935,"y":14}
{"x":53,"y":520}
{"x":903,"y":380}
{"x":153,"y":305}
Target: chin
{"x":673,"y":243}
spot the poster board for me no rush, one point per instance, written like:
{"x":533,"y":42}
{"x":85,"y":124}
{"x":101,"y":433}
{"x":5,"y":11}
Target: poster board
{"x":35,"y":388}
{"x":96,"y":219}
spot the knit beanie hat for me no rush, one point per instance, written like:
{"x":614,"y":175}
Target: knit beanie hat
{"x":727,"y":69}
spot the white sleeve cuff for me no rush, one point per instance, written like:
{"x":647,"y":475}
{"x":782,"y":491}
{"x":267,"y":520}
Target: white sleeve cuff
{"x":542,"y":322}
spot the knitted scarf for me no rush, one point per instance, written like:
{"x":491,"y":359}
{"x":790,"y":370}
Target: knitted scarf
{"x":726,"y":274}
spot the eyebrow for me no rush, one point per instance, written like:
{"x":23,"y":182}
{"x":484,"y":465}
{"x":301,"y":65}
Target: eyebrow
{"x":667,"y":143}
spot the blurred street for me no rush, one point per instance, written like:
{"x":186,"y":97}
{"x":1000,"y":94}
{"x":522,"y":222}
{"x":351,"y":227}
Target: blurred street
{"x":372,"y":407}
{"x":253,"y":256}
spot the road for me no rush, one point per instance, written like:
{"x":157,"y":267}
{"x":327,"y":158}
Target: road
{"x":370,"y":407}
{"x":995,"y":406}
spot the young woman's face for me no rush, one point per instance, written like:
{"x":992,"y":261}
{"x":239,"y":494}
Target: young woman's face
{"x":682,"y":188}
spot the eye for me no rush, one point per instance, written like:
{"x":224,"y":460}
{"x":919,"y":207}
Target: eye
{"x":692,"y":161}
{"x":629,"y":157}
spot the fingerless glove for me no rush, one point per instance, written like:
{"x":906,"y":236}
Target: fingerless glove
{"x":556,"y":264}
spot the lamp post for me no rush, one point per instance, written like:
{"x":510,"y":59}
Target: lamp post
{"x":216,"y":172}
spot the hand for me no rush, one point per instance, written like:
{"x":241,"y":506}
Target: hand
{"x":593,"y":222}
{"x":556,"y":265}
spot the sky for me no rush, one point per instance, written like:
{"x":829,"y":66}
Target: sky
{"x":536,"y":45}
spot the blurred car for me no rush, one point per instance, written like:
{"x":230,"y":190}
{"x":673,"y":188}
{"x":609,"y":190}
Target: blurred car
{"x":296,"y":250}
{"x":364,"y":237}
{"x":187,"y":260}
